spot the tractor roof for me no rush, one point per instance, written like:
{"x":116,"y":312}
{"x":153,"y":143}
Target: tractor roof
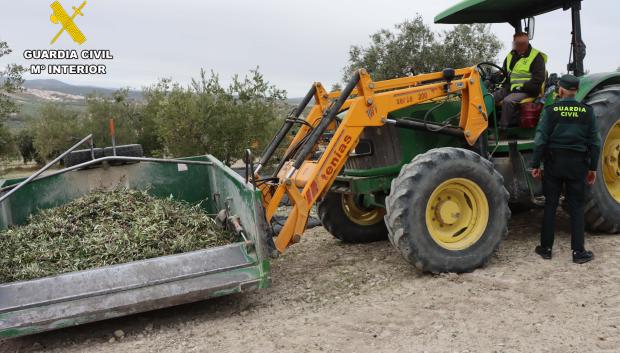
{"x":496,"y":11}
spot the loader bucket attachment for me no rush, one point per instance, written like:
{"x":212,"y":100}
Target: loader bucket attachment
{"x":69,"y":299}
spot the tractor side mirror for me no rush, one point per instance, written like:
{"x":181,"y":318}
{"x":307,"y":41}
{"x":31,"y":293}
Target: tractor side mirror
{"x":531,"y":25}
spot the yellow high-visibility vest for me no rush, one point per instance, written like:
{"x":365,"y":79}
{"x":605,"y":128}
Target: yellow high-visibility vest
{"x":520,"y":73}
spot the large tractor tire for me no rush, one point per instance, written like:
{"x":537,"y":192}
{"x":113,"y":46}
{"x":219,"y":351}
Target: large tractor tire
{"x":447,"y":211}
{"x":134,"y":150}
{"x":602,"y":211}
{"x":81,"y":156}
{"x":345,"y":219}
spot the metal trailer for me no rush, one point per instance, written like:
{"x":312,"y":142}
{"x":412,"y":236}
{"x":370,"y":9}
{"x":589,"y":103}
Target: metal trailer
{"x":69,"y":299}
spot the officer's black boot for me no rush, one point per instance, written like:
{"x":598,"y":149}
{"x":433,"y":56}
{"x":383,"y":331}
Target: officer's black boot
{"x":583,"y":256}
{"x":545,"y":253}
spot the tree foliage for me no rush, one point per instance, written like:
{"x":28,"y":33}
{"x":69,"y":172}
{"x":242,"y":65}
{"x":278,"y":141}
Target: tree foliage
{"x":100,"y":109}
{"x":144,"y":123}
{"x":413,"y":48}
{"x":25,"y":146}
{"x":171,"y":121}
{"x":207,"y":117}
{"x":335,"y":87}
{"x":10,"y":82}
{"x":56,"y":129}
{"x":7,"y":143}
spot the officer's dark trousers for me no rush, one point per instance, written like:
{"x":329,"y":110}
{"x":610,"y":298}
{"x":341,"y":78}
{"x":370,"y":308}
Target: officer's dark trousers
{"x":568,"y":169}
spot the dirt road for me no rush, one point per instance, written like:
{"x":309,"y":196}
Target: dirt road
{"x":333,"y":297}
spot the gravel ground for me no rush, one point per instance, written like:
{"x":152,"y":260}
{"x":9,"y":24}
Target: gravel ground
{"x":334,"y":297}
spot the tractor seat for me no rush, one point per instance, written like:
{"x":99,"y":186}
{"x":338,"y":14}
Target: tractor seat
{"x":529,"y":100}
{"x":533,"y":99}
{"x":540,"y":95}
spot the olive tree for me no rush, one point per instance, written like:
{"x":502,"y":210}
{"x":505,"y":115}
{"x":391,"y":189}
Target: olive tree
{"x":101,"y":108}
{"x":413,"y":48}
{"x":207,"y":117}
{"x":56,"y":129}
{"x":10,"y":82}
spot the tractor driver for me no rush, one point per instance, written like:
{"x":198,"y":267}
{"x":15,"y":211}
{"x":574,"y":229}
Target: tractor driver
{"x":525,"y":67}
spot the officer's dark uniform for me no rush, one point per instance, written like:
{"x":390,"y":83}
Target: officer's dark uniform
{"x":568,"y":141}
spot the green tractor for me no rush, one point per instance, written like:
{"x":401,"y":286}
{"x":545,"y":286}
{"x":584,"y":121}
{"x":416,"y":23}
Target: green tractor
{"x":447,"y":210}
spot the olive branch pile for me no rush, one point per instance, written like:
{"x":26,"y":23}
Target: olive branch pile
{"x":105,"y":228}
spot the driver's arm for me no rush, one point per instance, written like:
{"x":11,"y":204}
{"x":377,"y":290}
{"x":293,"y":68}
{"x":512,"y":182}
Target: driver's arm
{"x":506,"y":79}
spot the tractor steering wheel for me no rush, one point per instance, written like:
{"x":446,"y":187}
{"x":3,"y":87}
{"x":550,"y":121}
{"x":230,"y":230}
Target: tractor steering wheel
{"x":492,"y":74}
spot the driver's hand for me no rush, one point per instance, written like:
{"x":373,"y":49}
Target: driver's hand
{"x":497,"y":77}
{"x":591,"y":177}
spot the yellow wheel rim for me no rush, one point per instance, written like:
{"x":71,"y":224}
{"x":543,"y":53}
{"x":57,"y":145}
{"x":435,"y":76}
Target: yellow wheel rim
{"x":457,"y":213}
{"x":359,"y":215}
{"x":611,"y":161}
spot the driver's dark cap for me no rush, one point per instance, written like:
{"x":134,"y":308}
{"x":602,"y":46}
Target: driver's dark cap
{"x":569,"y":82}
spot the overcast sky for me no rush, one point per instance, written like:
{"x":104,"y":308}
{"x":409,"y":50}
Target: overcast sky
{"x":294,"y":43}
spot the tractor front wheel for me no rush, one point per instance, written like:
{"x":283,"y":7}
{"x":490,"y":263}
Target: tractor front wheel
{"x":447,"y":211}
{"x":346,"y":219}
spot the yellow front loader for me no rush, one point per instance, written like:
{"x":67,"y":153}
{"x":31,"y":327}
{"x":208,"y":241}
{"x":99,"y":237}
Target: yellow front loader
{"x":310,"y":164}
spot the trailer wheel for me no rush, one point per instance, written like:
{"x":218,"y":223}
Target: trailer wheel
{"x":346,"y":220}
{"x":81,"y":156}
{"x":602,"y":211}
{"x":447,"y":211}
{"x":134,"y":150}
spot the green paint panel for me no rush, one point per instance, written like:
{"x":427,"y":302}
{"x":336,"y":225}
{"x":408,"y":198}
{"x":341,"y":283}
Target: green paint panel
{"x":496,"y":11}
{"x":592,"y":81}
{"x":412,"y":143}
{"x":367,"y":185}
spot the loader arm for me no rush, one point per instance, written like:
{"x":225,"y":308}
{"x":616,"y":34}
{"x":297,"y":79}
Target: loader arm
{"x":365,"y":104}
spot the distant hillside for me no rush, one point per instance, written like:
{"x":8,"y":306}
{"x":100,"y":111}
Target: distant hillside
{"x":62,"y":87}
{"x":36,"y":93}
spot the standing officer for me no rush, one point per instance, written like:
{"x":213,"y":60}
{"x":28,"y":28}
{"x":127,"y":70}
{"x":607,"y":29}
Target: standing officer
{"x":568,"y":139}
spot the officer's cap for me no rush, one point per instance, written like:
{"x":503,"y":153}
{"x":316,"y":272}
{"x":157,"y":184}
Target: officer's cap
{"x":569,"y":82}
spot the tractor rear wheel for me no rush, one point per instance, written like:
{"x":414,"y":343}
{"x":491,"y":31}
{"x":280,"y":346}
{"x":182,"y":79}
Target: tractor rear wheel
{"x":447,"y":211}
{"x":602,"y":211}
{"x":344,"y":218}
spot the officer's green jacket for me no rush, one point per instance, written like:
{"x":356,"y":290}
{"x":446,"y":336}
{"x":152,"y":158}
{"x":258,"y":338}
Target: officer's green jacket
{"x":567,"y":124}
